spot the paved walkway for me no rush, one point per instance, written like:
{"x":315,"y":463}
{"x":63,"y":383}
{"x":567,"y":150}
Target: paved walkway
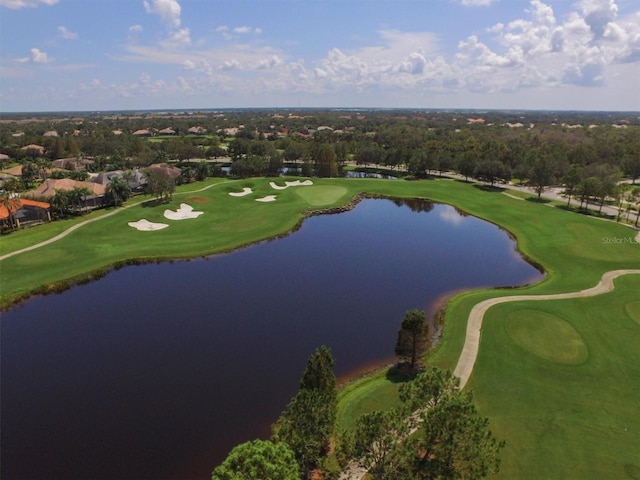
{"x":469,"y":353}
{"x":87,"y":222}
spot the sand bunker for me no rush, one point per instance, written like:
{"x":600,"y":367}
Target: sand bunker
{"x":145,"y":225}
{"x":295,"y":183}
{"x":245,"y":191}
{"x":184,"y":212}
{"x":268,"y":198}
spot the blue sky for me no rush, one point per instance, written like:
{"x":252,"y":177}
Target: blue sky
{"x":166,"y":54}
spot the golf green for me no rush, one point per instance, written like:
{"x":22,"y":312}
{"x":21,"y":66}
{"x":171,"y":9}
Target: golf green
{"x":321,"y":195}
{"x":547,"y":336}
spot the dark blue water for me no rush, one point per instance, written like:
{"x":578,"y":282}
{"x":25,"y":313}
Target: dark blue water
{"x":157,"y":371}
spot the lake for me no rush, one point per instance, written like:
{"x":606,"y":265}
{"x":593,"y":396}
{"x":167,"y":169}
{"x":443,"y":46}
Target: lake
{"x":157,"y":371}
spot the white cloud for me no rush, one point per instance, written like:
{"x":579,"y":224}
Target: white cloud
{"x":477,"y":3}
{"x":168,"y":10}
{"x":270,"y":63}
{"x":243,"y":29}
{"x":178,"y":38}
{"x":136,"y":28}
{"x":598,"y":14}
{"x":66,"y":34}
{"x":37,"y":56}
{"x":17,"y":4}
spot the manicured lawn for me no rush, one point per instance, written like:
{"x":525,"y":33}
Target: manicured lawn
{"x":558,"y":380}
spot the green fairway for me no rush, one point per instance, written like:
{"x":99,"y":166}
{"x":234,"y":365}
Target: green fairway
{"x":566,"y":398}
{"x":558,"y":378}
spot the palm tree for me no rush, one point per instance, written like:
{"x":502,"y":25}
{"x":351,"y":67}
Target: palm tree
{"x":119,"y":190}
{"x":77,"y":196}
{"x":61,"y":200}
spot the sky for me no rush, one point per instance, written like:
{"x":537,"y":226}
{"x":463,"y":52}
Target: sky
{"x":100,"y":55}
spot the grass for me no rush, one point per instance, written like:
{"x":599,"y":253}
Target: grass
{"x":565,"y":412}
{"x":562,"y":411}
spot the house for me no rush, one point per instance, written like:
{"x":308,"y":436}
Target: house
{"x":37,"y":148}
{"x":117,"y":132}
{"x":166,"y":169}
{"x":73,"y":164}
{"x":23,"y":212}
{"x":197,"y":130}
{"x":143,"y":133}
{"x":104,"y":178}
{"x":48,"y":188}
{"x":166,"y":131}
{"x":50,"y":133}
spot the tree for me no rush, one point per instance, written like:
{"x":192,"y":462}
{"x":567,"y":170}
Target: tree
{"x":325,"y":159}
{"x":453,"y":442}
{"x":428,"y":389}
{"x":160,"y":184}
{"x":467,"y":164}
{"x":318,"y":374}
{"x":373,"y":442}
{"x":119,"y":190}
{"x":307,"y":422}
{"x":571,"y":180}
{"x":30,"y":172}
{"x":60,"y":200}
{"x":258,"y":460}
{"x":437,"y":433}
{"x":492,"y":170}
{"x":413,"y":337}
{"x":541,"y":175}
{"x":77,"y":196}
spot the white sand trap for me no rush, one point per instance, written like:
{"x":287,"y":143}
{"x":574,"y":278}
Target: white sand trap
{"x":245,"y":191}
{"x":184,"y":212}
{"x":145,"y":225}
{"x":275,"y":186}
{"x":295,"y":183}
{"x":268,"y":198}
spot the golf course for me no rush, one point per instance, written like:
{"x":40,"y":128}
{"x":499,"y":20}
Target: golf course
{"x":556,"y":374}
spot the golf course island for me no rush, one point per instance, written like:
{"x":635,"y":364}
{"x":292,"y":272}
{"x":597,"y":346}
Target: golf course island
{"x":553,"y":363}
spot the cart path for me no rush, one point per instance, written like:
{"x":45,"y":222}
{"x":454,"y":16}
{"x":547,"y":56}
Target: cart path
{"x":471,"y":346}
{"x":467,"y":359}
{"x":87,"y":222}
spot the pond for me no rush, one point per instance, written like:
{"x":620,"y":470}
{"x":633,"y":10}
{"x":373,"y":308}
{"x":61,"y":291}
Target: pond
{"x":157,"y":371}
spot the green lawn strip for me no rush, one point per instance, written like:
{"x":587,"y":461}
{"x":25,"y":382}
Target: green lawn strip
{"x":563,"y":414}
{"x":372,"y":392}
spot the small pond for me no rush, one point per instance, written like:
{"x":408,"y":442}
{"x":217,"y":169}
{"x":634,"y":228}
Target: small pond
{"x":157,"y":371}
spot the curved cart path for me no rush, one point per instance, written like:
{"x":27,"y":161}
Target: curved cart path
{"x":472,"y":339}
{"x":87,"y":222}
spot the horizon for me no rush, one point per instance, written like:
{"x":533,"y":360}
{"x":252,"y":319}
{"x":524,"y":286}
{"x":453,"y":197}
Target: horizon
{"x":169,"y":111}
{"x":115,"y":55}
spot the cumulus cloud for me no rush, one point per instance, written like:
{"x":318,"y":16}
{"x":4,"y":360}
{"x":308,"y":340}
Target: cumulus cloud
{"x":136,"y":28}
{"x":66,"y":34}
{"x":17,"y":4}
{"x":598,"y":14}
{"x":37,"y":56}
{"x":168,"y":10}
